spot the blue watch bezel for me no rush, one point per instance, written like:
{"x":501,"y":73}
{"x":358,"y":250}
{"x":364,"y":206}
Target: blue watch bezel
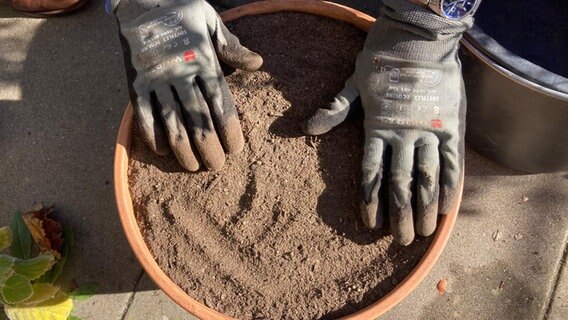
{"x":438,"y":6}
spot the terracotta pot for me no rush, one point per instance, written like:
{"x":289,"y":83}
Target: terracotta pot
{"x":134,"y":236}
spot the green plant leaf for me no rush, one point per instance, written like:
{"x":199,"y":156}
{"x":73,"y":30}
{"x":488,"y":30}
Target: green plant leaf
{"x":6,"y":264}
{"x":16,"y":289}
{"x":5,"y":238}
{"x":42,"y":293}
{"x":21,"y":238}
{"x":72,"y":317}
{"x":52,"y":275}
{"x":33,"y":268}
{"x":84,"y":291}
{"x":57,"y":308}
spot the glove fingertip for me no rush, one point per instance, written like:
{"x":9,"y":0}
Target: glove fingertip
{"x":317,"y":124}
{"x":425,"y":229}
{"x":404,"y":240}
{"x":251,"y":61}
{"x":232,"y":136}
{"x":189,"y":165}
{"x":215,"y":165}
{"x":401,"y":224}
{"x":240,"y":58}
{"x":309,"y":130}
{"x":370,"y":215}
{"x":211,"y":151}
{"x":214,"y":161}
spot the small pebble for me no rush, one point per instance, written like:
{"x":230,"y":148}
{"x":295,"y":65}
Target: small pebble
{"x":496,"y":235}
{"x":442,"y":284}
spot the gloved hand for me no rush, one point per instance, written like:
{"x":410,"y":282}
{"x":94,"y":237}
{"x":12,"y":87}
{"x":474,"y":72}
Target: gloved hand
{"x":178,"y":90}
{"x":408,"y":78}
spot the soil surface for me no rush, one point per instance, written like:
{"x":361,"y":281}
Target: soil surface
{"x":276,"y":233}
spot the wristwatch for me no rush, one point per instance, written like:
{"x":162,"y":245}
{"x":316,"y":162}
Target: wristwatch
{"x":451,"y":9}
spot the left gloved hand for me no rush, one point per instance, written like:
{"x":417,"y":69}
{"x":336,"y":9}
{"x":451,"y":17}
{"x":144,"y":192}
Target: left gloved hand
{"x":178,"y":90}
{"x":408,"y":77}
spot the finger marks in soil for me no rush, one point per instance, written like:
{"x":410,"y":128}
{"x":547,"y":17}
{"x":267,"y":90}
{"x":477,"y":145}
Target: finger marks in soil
{"x":224,"y":257}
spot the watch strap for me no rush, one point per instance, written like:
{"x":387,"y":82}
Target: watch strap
{"x":413,"y":32}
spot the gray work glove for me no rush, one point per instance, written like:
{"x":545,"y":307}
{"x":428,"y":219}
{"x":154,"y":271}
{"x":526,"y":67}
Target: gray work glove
{"x":408,"y":79}
{"x":178,"y":90}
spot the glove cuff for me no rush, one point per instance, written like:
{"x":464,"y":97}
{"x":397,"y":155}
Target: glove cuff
{"x":130,"y":9}
{"x":409,"y":31}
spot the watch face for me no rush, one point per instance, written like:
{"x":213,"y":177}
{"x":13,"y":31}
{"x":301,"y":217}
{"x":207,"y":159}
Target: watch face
{"x":457,"y":9}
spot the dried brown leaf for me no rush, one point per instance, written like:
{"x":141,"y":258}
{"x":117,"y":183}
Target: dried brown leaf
{"x":45,"y":231}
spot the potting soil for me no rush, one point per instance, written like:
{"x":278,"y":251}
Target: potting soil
{"x":276,"y":234}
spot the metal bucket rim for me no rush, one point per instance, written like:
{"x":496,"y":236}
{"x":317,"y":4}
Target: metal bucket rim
{"x":513,"y":66}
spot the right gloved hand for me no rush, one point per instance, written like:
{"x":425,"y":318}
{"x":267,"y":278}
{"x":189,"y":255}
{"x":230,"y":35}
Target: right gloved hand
{"x":179,"y":93}
{"x":408,"y":79}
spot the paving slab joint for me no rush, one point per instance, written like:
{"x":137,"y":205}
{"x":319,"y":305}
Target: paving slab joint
{"x":131,"y":296}
{"x":559,"y":273}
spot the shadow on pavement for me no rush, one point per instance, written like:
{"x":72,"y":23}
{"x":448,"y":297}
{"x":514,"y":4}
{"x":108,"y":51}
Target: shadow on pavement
{"x":57,"y":139}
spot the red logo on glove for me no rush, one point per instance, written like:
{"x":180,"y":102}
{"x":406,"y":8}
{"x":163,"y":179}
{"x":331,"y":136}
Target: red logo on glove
{"x":188,"y":56}
{"x":436,"y":124}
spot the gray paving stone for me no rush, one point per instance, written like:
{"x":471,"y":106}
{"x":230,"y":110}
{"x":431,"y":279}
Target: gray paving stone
{"x":62,"y":94}
{"x":103,"y":306}
{"x":502,"y":258}
{"x":149,"y":303}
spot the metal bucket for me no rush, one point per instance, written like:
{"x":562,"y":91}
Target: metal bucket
{"x":517,"y":110}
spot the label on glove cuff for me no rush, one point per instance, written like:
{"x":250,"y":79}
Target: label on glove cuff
{"x":411,"y":94}
{"x":163,"y":42}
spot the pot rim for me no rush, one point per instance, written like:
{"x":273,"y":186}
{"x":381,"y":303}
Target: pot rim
{"x":134,"y":236}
